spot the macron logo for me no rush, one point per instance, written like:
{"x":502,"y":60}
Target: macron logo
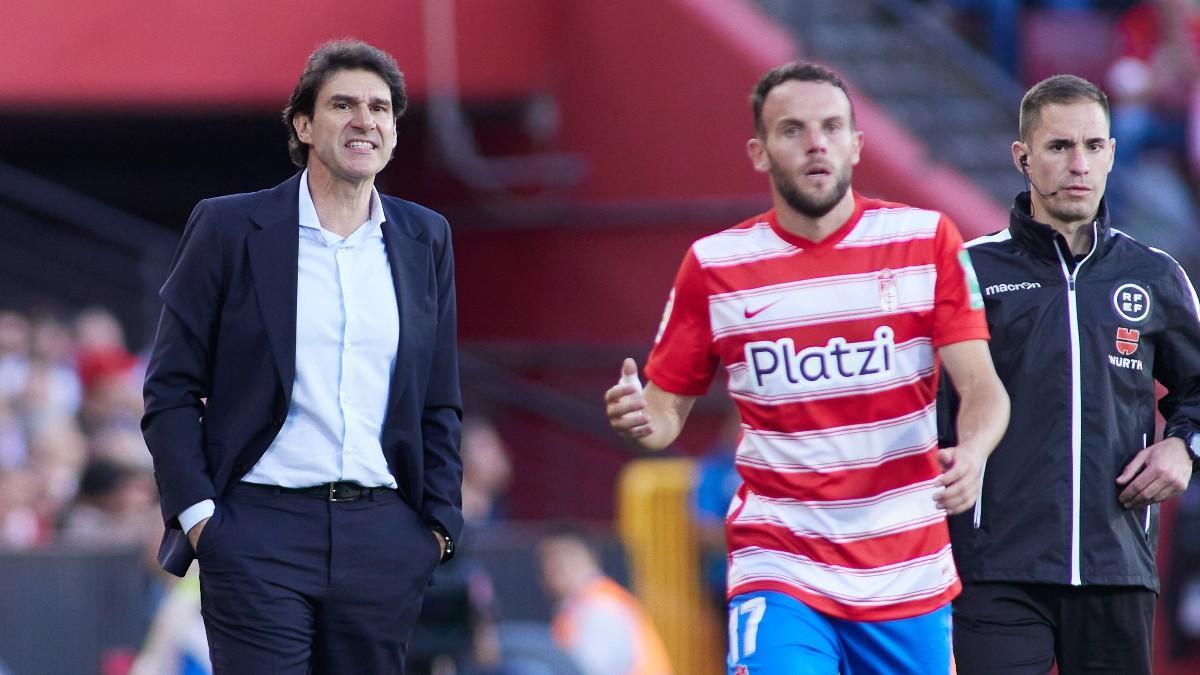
{"x":1004,"y":288}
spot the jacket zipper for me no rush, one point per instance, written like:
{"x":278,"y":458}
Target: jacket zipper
{"x":1076,"y":402}
{"x":1146,"y":525}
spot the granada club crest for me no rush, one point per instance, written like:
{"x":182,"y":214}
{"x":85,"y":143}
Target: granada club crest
{"x":889,"y":294}
{"x":1127,"y":340}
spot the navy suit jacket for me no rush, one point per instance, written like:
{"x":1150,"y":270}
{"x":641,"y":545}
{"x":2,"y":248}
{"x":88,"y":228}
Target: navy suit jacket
{"x":219,"y":380}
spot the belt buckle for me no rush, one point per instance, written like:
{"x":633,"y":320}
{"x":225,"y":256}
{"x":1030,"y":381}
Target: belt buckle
{"x":333,"y":494}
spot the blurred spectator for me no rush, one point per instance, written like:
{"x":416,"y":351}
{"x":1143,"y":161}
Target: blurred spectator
{"x":109,"y":373}
{"x":487,"y":471}
{"x":97,"y":330}
{"x":598,"y":623}
{"x":13,"y":450}
{"x":52,"y":390}
{"x":457,"y":630}
{"x":57,"y":455}
{"x":115,"y":505}
{"x":1153,"y":82}
{"x":20,"y":527}
{"x":14,"y":353}
{"x":1154,"y":77}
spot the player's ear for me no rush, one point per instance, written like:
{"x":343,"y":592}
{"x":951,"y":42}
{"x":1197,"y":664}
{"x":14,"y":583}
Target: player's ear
{"x":757,"y":152}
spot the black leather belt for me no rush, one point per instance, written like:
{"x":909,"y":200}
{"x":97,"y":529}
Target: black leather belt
{"x":340,"y":491}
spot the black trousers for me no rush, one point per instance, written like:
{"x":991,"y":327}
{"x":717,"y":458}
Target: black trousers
{"x":1019,"y":629}
{"x":298,"y":585}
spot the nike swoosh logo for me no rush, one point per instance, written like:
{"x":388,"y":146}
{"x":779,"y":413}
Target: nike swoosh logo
{"x":750,"y":314}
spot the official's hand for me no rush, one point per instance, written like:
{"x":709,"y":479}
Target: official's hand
{"x":626,"y":406}
{"x":962,"y":467}
{"x":1155,"y":474}
{"x":193,"y":534}
{"x":441,"y":540}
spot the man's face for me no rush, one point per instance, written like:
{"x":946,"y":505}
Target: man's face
{"x":808,"y":146}
{"x":352,"y":131}
{"x":1069,"y":155}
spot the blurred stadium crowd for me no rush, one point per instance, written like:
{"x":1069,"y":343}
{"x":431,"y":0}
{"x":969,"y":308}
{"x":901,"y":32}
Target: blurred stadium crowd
{"x":73,"y":467}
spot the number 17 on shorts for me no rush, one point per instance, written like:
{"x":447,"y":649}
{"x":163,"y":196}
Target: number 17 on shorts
{"x":772,"y":633}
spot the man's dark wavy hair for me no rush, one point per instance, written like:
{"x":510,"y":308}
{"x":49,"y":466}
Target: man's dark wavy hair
{"x":800,"y":71}
{"x":326,"y":60}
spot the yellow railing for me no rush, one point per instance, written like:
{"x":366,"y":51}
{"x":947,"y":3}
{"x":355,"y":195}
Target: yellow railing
{"x":653,"y":518}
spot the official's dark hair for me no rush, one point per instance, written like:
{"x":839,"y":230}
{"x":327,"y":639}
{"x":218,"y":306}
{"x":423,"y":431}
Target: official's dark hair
{"x":1057,"y":90}
{"x":326,"y":60}
{"x":800,"y":71}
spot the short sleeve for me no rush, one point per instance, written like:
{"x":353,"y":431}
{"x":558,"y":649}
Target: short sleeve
{"x":957,"y":304}
{"x":682,"y":359}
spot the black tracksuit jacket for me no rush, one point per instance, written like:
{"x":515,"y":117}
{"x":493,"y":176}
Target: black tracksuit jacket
{"x":1078,"y":343}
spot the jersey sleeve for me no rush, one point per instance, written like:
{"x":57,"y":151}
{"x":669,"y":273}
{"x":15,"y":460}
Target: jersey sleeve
{"x":682,"y":359}
{"x":957,"y":303}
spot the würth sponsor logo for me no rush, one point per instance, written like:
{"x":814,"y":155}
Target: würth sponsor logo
{"x":777,"y":362}
{"x":1125,"y":362}
{"x":1127,"y":341}
{"x":1005,"y":288}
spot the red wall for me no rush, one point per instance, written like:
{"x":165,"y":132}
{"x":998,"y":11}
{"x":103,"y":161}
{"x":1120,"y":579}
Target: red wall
{"x":233,"y":52}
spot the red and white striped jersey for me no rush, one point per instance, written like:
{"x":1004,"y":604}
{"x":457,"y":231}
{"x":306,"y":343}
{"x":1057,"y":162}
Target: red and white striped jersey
{"x":829,"y":349}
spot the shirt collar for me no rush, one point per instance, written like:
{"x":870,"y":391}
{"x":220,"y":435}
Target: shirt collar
{"x":308,"y":215}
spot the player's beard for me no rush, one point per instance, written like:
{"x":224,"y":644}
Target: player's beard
{"x":811,"y":205}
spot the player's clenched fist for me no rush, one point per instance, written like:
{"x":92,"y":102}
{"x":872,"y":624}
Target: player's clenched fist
{"x":960,"y":480}
{"x":625,"y":404}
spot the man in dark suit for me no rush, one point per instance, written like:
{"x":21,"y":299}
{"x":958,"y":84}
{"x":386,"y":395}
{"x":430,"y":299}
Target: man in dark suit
{"x":302,"y":397}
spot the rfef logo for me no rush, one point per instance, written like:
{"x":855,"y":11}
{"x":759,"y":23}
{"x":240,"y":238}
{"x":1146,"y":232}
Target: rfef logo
{"x":1132,"y":302}
{"x":1127,"y":340}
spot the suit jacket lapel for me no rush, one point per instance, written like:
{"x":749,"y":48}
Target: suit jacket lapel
{"x":408,"y":258}
{"x":274,"y":252}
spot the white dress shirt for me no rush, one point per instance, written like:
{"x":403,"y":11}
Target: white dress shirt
{"x":347,"y":331}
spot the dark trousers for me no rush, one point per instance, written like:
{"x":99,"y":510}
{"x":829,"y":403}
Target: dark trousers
{"x":1019,"y":629}
{"x":297,"y":585}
